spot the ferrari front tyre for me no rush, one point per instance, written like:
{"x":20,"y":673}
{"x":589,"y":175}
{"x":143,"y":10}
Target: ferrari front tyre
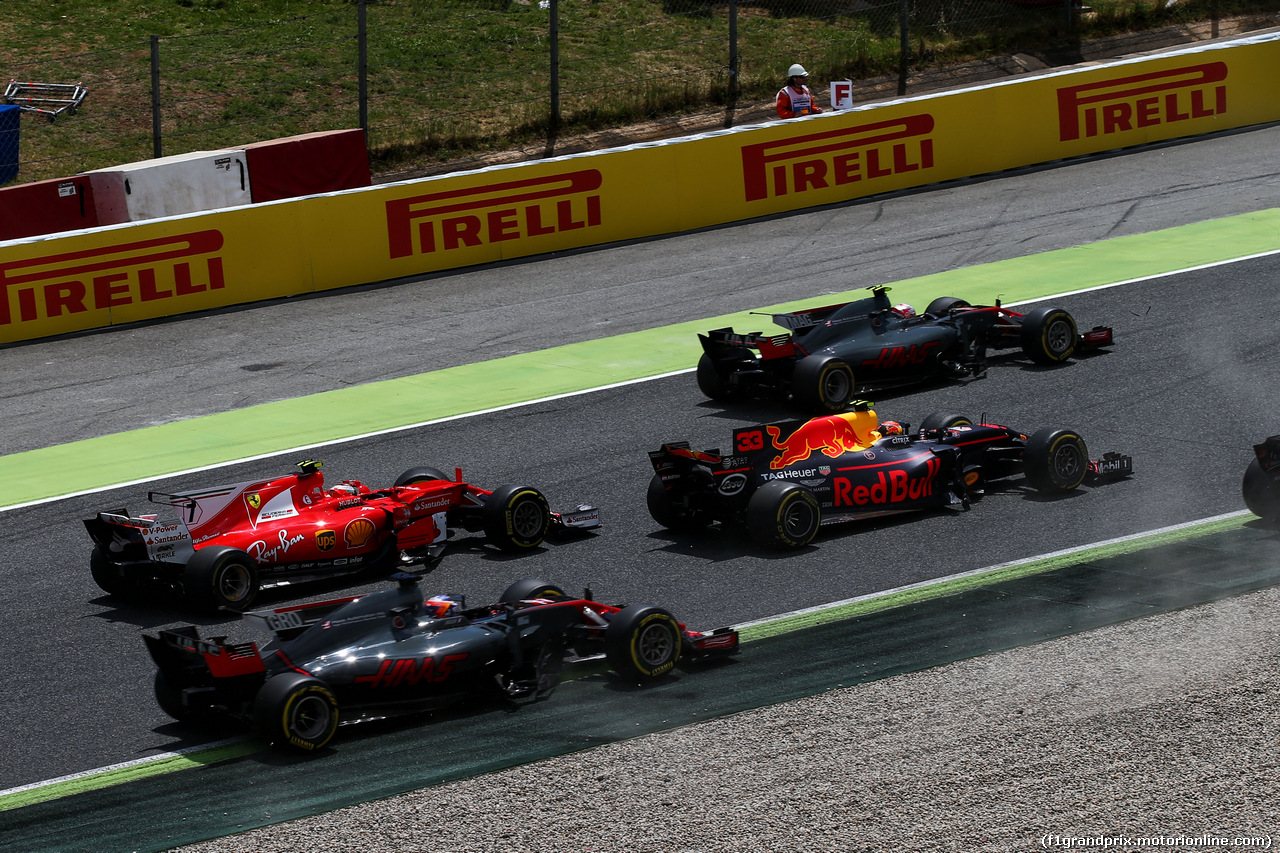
{"x":642,"y":642}
{"x":528,"y":589}
{"x":1055,"y":460}
{"x":1261,"y":492}
{"x":219,"y":576}
{"x":516,"y":518}
{"x":822,"y":384}
{"x":423,"y":474}
{"x":669,"y":514}
{"x":943,"y":305}
{"x":1048,"y":335}
{"x":297,"y":710}
{"x":107,"y":575}
{"x":783,"y":515}
{"x":943,"y":420}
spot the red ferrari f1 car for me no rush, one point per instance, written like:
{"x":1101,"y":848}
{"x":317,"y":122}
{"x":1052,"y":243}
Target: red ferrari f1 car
{"x":1262,"y":480}
{"x":784,"y":480}
{"x":230,"y":541}
{"x":401,"y":654}
{"x":833,"y":352}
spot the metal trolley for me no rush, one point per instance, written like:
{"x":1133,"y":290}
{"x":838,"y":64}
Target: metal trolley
{"x":48,"y":99}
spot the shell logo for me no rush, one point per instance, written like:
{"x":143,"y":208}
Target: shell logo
{"x":358,"y":532}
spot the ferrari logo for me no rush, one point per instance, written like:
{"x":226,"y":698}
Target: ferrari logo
{"x":254,"y":500}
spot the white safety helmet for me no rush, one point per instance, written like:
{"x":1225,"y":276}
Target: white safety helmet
{"x":797,"y":70}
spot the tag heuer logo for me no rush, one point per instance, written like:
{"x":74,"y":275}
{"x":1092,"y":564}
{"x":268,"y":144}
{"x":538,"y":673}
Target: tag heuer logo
{"x":326,"y":539}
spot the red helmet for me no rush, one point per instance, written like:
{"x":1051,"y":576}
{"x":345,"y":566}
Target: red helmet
{"x":890,"y":428}
{"x":903,"y":309}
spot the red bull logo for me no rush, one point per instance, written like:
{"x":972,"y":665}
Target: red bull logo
{"x":891,"y":487}
{"x":891,"y":357}
{"x":831,"y":435}
{"x":110,"y":277}
{"x":493,"y":213}
{"x":836,"y":158}
{"x":1142,"y":100}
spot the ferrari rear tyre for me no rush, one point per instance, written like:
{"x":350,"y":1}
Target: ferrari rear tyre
{"x":642,"y":642}
{"x":424,"y":474}
{"x":527,"y":589}
{"x":219,"y":576}
{"x":783,"y":515}
{"x":1056,"y":460}
{"x":516,"y":518}
{"x":823,"y":384}
{"x":1261,"y":492}
{"x":107,"y":576}
{"x":670,"y":515}
{"x":943,"y":420}
{"x":943,"y":305}
{"x":169,"y":700}
{"x":1048,"y":335}
{"x":297,"y":710}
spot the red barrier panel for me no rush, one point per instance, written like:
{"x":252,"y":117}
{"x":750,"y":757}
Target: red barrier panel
{"x":308,"y":164}
{"x":47,"y":207}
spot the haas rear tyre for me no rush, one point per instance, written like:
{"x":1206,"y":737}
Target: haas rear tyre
{"x":1048,"y":335}
{"x":943,"y":420}
{"x":219,"y":576}
{"x":783,"y":515}
{"x":1056,"y":460}
{"x":823,"y":384}
{"x":516,"y":518}
{"x":297,"y":710}
{"x":531,"y":588}
{"x":169,"y":700}
{"x":669,"y":514}
{"x":1261,"y":492}
{"x":424,"y":474}
{"x":713,"y":382}
{"x":642,"y":642}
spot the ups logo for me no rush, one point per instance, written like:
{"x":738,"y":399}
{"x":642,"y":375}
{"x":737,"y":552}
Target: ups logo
{"x":326,"y":539}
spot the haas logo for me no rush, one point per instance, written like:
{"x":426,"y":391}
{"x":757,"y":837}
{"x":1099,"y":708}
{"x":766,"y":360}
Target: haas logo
{"x":832,"y":435}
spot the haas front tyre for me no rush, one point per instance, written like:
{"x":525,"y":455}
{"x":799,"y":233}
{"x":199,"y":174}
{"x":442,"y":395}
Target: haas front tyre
{"x":219,"y":576}
{"x":1261,"y":492}
{"x":297,"y":710}
{"x":823,"y":384}
{"x":783,"y":515}
{"x":1055,"y":460}
{"x":1048,"y":335}
{"x":642,"y":642}
{"x":516,"y":518}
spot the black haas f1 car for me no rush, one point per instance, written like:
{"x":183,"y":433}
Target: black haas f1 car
{"x":783,"y":480}
{"x":230,"y":541}
{"x":832,"y":353}
{"x":391,"y":652}
{"x":1262,"y":480}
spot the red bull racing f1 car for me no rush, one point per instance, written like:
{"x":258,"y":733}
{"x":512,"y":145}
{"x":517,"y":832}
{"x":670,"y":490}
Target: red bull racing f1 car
{"x":391,"y":652}
{"x":784,"y":480}
{"x":832,"y":353}
{"x":228,"y":542}
{"x":1262,"y":480}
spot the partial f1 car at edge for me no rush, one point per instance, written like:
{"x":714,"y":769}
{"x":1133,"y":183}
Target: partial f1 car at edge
{"x":782,"y":481}
{"x":228,"y":542}
{"x":391,"y":652}
{"x":1261,"y":485}
{"x":832,"y":353}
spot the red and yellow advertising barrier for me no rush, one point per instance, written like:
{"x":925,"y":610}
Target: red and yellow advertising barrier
{"x":118,"y":274}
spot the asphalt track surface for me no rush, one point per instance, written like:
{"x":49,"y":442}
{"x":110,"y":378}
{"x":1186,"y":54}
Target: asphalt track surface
{"x":1186,"y":391}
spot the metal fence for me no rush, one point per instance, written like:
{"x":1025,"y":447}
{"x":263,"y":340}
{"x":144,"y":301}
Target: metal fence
{"x":430,"y":79}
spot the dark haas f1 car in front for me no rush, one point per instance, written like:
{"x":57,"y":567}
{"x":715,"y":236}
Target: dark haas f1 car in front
{"x":230,"y":541}
{"x":1262,"y":480}
{"x":832,"y":353}
{"x":391,"y":652}
{"x":781,"y":481}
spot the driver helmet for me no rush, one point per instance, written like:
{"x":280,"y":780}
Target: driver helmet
{"x":903,"y":309}
{"x":344,"y":489}
{"x":442,"y":605}
{"x":890,"y":428}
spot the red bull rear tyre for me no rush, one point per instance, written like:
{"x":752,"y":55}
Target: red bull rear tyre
{"x":783,"y":515}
